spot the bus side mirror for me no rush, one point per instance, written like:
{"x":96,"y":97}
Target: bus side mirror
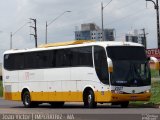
{"x":110,"y":65}
{"x":154,"y":63}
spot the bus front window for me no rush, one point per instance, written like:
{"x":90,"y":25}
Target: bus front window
{"x":101,"y":66}
{"x":130,"y":66}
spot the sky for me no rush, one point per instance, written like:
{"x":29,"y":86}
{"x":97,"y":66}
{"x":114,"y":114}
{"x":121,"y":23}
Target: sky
{"x":123,"y":15}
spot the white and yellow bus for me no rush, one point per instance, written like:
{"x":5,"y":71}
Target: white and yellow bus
{"x":78,"y":71}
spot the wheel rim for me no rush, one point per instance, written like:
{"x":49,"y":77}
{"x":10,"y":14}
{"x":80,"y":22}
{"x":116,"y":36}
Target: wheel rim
{"x":89,"y":98}
{"x":27,"y":100}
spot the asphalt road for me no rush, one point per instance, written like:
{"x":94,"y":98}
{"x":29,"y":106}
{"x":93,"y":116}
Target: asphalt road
{"x":76,"y":111}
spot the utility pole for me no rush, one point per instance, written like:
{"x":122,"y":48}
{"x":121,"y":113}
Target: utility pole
{"x":11,"y":40}
{"x":158,"y":31}
{"x":145,"y":40}
{"x":102,"y":8}
{"x":156,"y":6}
{"x":46,"y":32}
{"x":102,"y":20}
{"x":35,"y":30}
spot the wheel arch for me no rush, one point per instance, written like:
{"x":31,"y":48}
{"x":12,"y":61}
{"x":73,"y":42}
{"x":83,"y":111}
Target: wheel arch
{"x":23,"y":91}
{"x":87,"y":88}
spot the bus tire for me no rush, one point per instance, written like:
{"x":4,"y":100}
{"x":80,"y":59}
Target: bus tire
{"x":124,"y":104}
{"x":89,"y":99}
{"x":27,"y":100}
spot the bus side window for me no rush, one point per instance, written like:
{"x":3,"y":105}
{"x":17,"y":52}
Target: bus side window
{"x":19,"y":61}
{"x":53,"y":59}
{"x":9,"y":62}
{"x":30,"y":60}
{"x":62,"y":58}
{"x":85,"y":56}
{"x":74,"y":57}
{"x":43,"y":59}
{"x":101,"y":65}
{"x":81,"y":56}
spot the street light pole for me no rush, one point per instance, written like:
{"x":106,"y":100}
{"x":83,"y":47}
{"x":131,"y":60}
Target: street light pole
{"x":156,"y":6}
{"x":158,"y":31}
{"x":12,"y":34}
{"x":102,"y":20}
{"x":46,"y":33}
{"x":11,"y":40}
{"x":145,"y":39}
{"x":102,"y":8}
{"x":47,"y":24}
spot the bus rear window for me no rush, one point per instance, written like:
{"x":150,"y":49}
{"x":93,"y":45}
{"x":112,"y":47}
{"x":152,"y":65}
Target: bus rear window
{"x":126,"y":53}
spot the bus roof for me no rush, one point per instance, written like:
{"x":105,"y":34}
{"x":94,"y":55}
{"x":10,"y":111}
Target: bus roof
{"x":71,"y":44}
{"x":75,"y":42}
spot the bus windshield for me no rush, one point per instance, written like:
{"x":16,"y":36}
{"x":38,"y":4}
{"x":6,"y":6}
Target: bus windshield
{"x":130,"y":66}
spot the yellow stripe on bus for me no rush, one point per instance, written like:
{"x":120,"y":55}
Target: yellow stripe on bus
{"x":78,"y":96}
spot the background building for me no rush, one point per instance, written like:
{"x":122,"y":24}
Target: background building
{"x":91,"y":31}
{"x":136,"y":37}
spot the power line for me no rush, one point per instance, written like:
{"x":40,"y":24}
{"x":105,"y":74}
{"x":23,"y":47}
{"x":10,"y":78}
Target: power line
{"x":88,"y":8}
{"x":107,"y":4}
{"x":20,"y":28}
{"x":127,"y":5}
{"x":121,"y":19}
{"x":128,"y":16}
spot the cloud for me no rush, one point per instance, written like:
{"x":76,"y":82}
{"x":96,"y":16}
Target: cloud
{"x":123,"y":15}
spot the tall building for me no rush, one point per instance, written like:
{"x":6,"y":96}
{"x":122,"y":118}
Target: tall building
{"x":91,"y":31}
{"x":136,"y":37}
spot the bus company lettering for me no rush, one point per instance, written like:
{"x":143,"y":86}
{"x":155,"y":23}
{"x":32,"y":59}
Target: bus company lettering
{"x":27,"y":75}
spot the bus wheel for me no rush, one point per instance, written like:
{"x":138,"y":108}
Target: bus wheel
{"x":124,"y":104}
{"x":89,"y":100}
{"x":27,"y":100}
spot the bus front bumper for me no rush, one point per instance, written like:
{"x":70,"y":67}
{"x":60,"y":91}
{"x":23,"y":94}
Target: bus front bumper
{"x":130,"y":97}
{"x":115,"y":97}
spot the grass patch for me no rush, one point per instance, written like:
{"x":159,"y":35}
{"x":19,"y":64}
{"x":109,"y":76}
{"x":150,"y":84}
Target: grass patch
{"x":155,"y":89}
{"x":155,"y":92}
{"x":154,"y":73}
{"x":155,"y":98}
{"x":1,"y":89}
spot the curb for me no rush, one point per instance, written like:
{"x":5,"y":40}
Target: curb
{"x":145,"y":105}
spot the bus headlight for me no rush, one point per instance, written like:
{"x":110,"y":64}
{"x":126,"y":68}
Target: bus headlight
{"x":147,"y":91}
